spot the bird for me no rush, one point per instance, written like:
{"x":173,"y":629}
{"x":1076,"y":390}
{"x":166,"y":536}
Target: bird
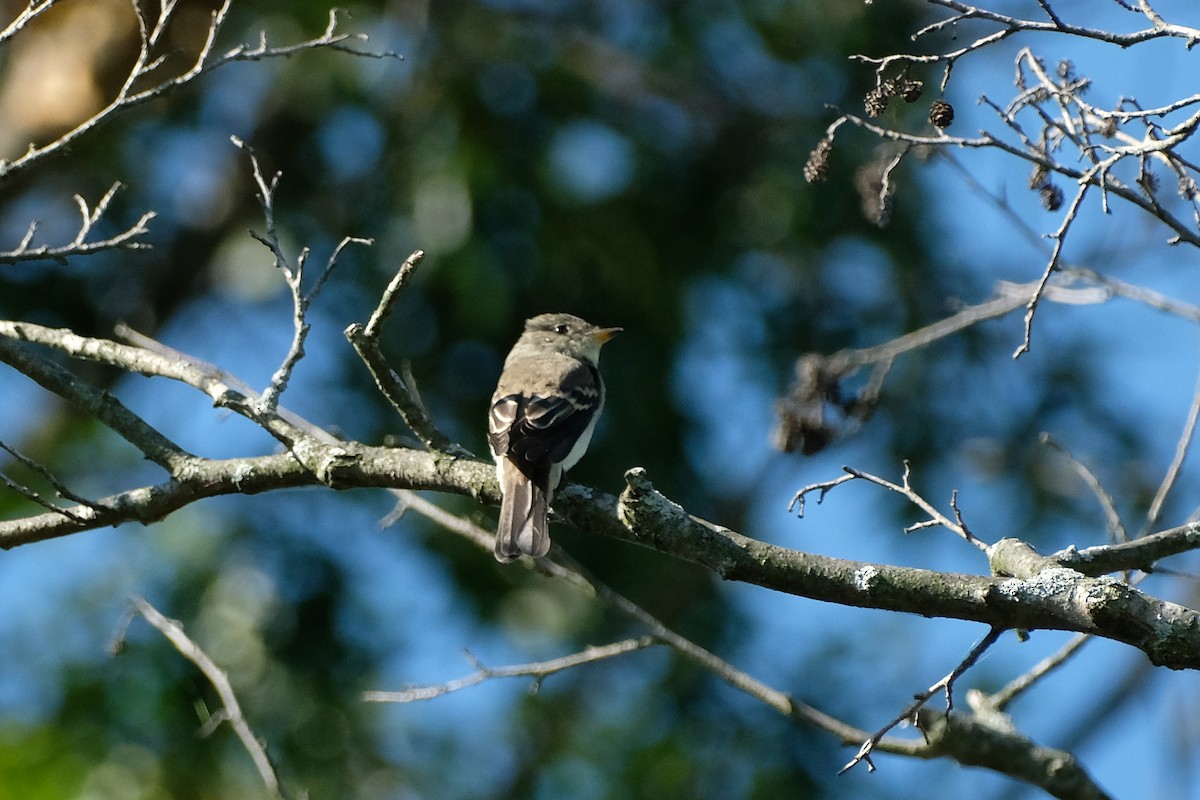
{"x":540,"y":422}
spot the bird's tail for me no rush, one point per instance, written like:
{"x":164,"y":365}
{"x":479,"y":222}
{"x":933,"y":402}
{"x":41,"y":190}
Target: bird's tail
{"x":523,"y":525}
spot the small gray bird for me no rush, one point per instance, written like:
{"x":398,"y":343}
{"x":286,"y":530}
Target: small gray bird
{"x":541,"y":420}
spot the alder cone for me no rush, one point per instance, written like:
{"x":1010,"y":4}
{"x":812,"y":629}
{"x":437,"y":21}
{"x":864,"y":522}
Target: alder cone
{"x":941,"y":113}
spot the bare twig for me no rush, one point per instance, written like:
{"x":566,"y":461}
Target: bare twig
{"x":59,"y":487}
{"x":1181,"y":451}
{"x":936,"y":518}
{"x":392,"y":293}
{"x":149,"y":61}
{"x":1009,"y":297}
{"x":231,"y":709}
{"x":293,"y":275}
{"x":801,"y":414}
{"x":945,"y":685}
{"x":400,"y":392}
{"x":1140,"y":294}
{"x":1116,"y":528}
{"x":35,"y":497}
{"x":1160,"y":28}
{"x":1060,"y":238}
{"x":1000,"y":700}
{"x":33,"y":9}
{"x":128,"y":239}
{"x":538,"y":671}
{"x":823,"y":488}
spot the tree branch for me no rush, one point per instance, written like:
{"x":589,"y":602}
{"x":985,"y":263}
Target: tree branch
{"x":231,"y":710}
{"x":128,"y":239}
{"x":1050,"y":597}
{"x":97,"y":404}
{"x":538,"y":671}
{"x":946,"y":685}
{"x":147,"y":62}
{"x":1053,"y":770}
{"x":1141,"y":553}
{"x":400,"y":392}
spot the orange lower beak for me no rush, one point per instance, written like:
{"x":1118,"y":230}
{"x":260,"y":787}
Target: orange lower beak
{"x":604,"y":334}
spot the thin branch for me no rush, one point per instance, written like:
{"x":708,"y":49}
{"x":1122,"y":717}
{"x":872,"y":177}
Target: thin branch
{"x":824,"y":487}
{"x":948,"y":59}
{"x":1001,"y":699}
{"x":1181,"y":451}
{"x":1140,"y":554}
{"x":147,"y":62}
{"x":32,"y":10}
{"x":1140,"y":294}
{"x":59,"y":487}
{"x":35,"y":497}
{"x":1113,"y":286}
{"x":1051,"y":13}
{"x":300,"y":327}
{"x":293,"y":277}
{"x":1009,"y":297}
{"x":1060,"y":238}
{"x":945,"y":685}
{"x":1116,"y":528}
{"x":537,"y":670}
{"x":232,"y":710}
{"x":801,"y":413}
{"x":128,"y":239}
{"x":97,"y":404}
{"x":400,"y":392}
{"x":1160,"y":29}
{"x":936,"y":518}
{"x":560,"y":565}
{"x":387,"y":300}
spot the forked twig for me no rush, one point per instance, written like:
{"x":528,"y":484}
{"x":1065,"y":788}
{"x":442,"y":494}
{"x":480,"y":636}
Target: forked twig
{"x":946,"y":685}
{"x":293,"y":276}
{"x":401,"y":392}
{"x":133,"y":91}
{"x":128,"y":239}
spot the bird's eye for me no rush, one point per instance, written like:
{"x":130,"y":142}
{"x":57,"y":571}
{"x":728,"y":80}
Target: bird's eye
{"x":561,"y":329}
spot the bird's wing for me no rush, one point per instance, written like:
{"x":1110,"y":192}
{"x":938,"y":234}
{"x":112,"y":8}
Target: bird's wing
{"x":536,"y":430}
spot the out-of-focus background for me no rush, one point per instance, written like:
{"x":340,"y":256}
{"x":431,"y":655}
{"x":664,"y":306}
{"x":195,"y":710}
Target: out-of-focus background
{"x":639,"y":164}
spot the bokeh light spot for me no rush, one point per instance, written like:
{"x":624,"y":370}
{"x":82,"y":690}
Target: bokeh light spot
{"x":591,"y":161}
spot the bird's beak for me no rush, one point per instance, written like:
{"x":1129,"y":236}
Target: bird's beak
{"x":604,"y":334}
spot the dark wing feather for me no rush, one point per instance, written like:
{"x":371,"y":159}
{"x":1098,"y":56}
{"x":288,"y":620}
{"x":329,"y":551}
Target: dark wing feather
{"x":540,"y":430}
{"x":504,"y":412}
